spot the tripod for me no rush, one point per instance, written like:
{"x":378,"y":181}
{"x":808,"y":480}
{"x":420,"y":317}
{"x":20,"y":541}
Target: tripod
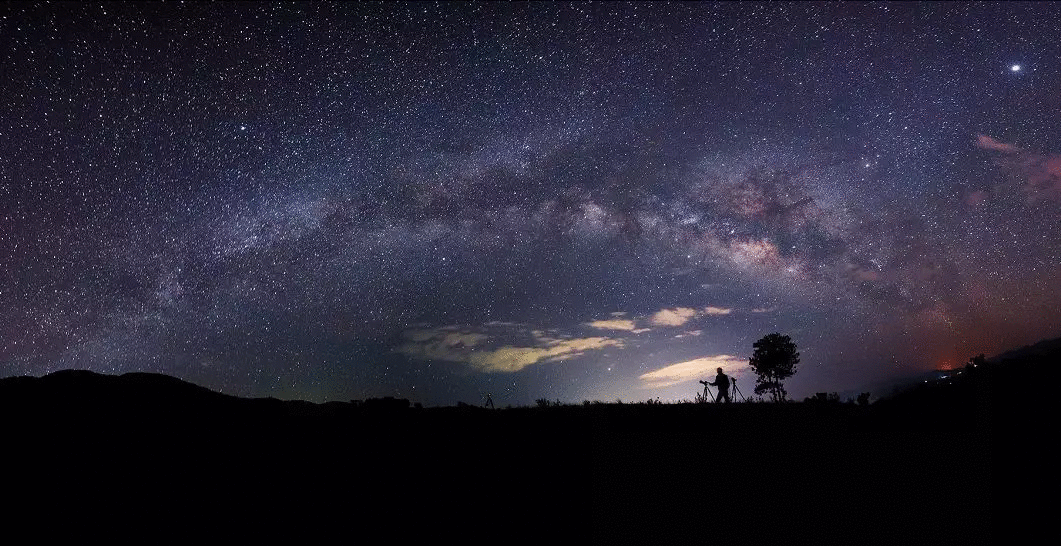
{"x":734,"y":383}
{"x":706,"y":396}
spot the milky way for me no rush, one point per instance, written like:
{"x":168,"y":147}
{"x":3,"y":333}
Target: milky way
{"x":571,"y":201}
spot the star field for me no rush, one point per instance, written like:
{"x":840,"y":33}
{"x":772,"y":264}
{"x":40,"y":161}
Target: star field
{"x":436,"y":201}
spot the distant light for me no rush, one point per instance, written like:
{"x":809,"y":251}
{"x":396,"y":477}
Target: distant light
{"x":1015,"y":68}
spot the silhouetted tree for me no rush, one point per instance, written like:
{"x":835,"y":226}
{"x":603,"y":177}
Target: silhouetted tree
{"x":774,"y":360}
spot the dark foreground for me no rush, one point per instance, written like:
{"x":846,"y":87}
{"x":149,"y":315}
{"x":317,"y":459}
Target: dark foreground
{"x":174,"y":458}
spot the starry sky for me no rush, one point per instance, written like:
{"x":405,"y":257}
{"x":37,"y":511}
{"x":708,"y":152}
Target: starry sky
{"x":573,"y":201}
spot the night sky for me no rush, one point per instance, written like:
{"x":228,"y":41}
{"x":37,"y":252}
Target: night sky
{"x":572,"y":201}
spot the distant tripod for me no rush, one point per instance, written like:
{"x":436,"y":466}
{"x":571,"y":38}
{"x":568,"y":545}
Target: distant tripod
{"x":489,"y":402}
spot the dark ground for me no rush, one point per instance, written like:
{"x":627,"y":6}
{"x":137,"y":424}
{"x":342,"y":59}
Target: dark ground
{"x":919,"y":468}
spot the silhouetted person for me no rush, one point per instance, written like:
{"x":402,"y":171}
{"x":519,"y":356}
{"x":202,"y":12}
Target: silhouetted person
{"x":722,"y":382}
{"x":489,"y":402}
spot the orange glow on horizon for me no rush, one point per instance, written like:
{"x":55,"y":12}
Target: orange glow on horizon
{"x":947,"y":364}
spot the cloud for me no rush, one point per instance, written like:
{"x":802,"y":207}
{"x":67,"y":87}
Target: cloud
{"x":678,"y":316}
{"x":691,"y":370}
{"x":673,"y":317}
{"x":614,"y":324}
{"x":1038,"y":175}
{"x":513,"y":359}
{"x":985,"y":142}
{"x":1044,"y":177}
{"x":440,"y":344}
{"x":474,"y":349}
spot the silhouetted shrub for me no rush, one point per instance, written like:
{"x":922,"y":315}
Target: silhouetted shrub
{"x":387,"y":403}
{"x":824,"y":398}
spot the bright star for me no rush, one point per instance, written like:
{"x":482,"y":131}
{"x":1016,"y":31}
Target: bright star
{"x":1015,"y":68}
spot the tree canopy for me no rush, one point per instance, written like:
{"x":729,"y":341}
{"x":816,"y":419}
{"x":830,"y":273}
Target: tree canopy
{"x":774,"y":360}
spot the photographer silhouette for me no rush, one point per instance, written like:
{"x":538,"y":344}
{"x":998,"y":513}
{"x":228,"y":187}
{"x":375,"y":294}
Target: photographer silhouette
{"x":722,"y":382}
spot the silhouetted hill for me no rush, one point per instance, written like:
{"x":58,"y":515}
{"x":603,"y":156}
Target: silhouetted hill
{"x":1019,"y":360}
{"x":1046,"y":348}
{"x":78,"y":395}
{"x":1011,"y":380}
{"x":84,"y":386}
{"x":138,"y":396}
